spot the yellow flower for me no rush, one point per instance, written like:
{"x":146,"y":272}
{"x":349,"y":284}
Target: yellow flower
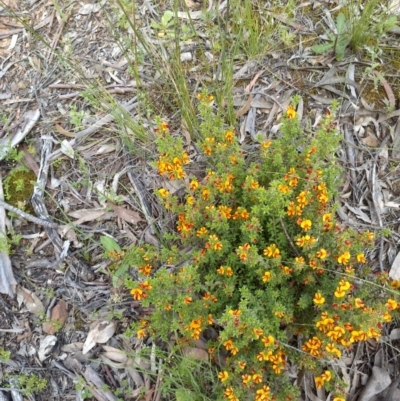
{"x":358,"y":303}
{"x":242,"y":365}
{"x":322,"y":254}
{"x":391,"y":304}
{"x":319,"y":299}
{"x":327,"y":375}
{"x":202,"y":231}
{"x":266,"y":277}
{"x":319,"y":382}
{"x":221,"y":270}
{"x":272,"y":251}
{"x":290,"y":112}
{"x":229,"y":136}
{"x":344,"y":258}
{"x":361,"y":258}
{"x":306,"y":225}
{"x":141,"y":333}
{"x":190,"y":200}
{"x":163,"y":192}
{"x":387,"y":317}
{"x":267,"y":341}
{"x":339,"y":399}
{"x":344,"y":285}
{"x":223,"y":376}
{"x":266,"y":144}
{"x":246,"y":379}
{"x":339,"y":293}
{"x":257,"y":378}
{"x":195,"y":324}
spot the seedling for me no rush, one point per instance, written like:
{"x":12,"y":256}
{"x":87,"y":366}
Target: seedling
{"x":338,"y":41}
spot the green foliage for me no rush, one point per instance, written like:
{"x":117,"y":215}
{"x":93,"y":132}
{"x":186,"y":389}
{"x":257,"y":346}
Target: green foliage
{"x":18,"y":186}
{"x":358,"y":28}
{"x":339,"y":41}
{"x":29,"y":384}
{"x":76,"y":117}
{"x":270,"y":268}
{"x":4,"y":355}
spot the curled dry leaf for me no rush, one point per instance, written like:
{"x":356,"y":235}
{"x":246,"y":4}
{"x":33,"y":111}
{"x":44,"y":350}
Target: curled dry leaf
{"x":30,"y":300}
{"x":59,"y":315}
{"x":99,"y":334}
{"x":45,"y":347}
{"x":127,"y":215}
{"x":115,"y":354}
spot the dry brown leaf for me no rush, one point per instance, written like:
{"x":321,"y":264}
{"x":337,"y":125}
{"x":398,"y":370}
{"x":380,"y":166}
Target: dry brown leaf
{"x":99,"y":334}
{"x":125,"y":214}
{"x":246,"y":107}
{"x":30,"y":300}
{"x":62,"y":131}
{"x":371,"y":140}
{"x":58,"y":317}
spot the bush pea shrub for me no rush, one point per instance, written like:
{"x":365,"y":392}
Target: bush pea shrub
{"x":259,"y":256}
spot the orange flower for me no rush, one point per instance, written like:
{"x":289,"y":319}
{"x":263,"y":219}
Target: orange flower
{"x":258,"y":332}
{"x":188,"y":300}
{"x":358,"y":303}
{"x":229,"y":136}
{"x":138,"y":294}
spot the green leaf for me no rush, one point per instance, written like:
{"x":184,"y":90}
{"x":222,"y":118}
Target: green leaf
{"x":155,"y":25}
{"x":341,"y":46}
{"x":166,"y":18}
{"x":341,"y":23}
{"x":109,"y":244}
{"x":319,"y":49}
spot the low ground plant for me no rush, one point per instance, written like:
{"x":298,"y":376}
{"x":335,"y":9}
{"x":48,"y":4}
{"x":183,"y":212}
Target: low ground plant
{"x":259,"y":259}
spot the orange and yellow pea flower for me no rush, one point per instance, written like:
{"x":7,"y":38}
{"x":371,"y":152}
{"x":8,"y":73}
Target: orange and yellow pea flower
{"x":306,"y":225}
{"x":290,"y":112}
{"x":344,"y":258}
{"x":272,"y":251}
{"x":319,"y":299}
{"x":223,"y":376}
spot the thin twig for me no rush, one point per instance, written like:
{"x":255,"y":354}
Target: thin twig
{"x":288,"y":237}
{"x":29,"y":217}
